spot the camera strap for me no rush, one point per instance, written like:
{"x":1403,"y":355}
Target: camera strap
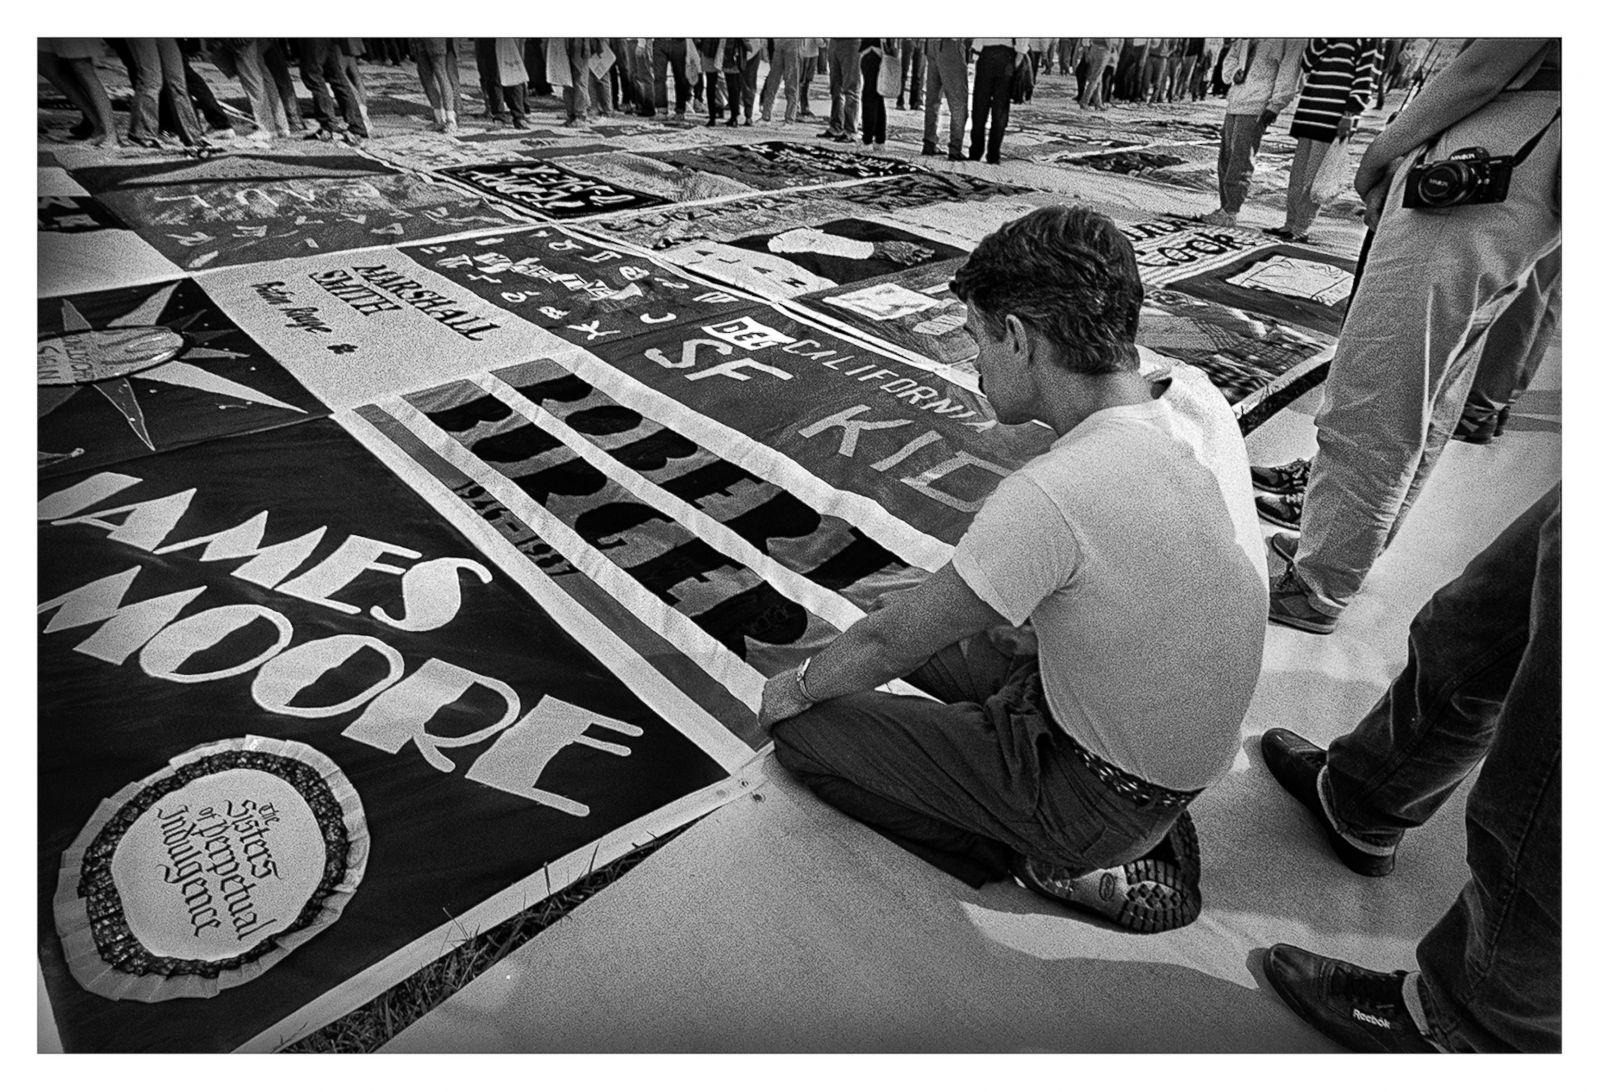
{"x":1516,"y":161}
{"x":1527,"y":149}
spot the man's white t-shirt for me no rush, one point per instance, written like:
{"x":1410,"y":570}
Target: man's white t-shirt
{"x":1120,"y":544}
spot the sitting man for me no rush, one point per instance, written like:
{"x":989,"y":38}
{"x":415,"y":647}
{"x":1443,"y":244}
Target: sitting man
{"x":1097,"y":635}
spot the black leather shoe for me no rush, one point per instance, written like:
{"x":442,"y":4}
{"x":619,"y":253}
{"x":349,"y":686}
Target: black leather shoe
{"x":1359,"y":1009}
{"x":1296,"y":763}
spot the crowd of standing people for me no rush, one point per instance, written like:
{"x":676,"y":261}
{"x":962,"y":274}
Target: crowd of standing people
{"x":665,"y":78}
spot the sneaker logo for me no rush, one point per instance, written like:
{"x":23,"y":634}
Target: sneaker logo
{"x":1376,"y":1021}
{"x":1108,"y":887}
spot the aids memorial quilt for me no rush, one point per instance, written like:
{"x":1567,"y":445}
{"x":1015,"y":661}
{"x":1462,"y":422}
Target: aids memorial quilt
{"x":132,"y":371}
{"x":298,"y":736}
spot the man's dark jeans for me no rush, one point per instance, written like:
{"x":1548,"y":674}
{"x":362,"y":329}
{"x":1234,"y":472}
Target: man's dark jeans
{"x":1483,"y":682}
{"x":963,"y":780}
{"x":991,"y":95}
{"x":322,"y":67}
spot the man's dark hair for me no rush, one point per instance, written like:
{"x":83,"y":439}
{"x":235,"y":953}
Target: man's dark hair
{"x":1070,"y":275}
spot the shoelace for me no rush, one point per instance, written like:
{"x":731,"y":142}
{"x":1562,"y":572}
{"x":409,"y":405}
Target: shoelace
{"x":1369,"y":990}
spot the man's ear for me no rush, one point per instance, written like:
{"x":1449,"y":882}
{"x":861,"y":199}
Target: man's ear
{"x":1018,"y":337}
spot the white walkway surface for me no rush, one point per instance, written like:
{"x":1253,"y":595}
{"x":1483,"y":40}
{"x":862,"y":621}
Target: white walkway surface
{"x":779,"y":925}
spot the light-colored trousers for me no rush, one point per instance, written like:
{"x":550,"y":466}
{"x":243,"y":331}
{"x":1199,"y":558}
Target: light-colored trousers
{"x":1435,"y":282}
{"x":1236,"y":158}
{"x":1300,"y":209}
{"x":947,"y":77}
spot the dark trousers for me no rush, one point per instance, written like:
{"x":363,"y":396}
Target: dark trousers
{"x":874,"y":116}
{"x":275,"y":63}
{"x":533,"y":60}
{"x":911,"y":65}
{"x":991,"y":100}
{"x":964,"y":780}
{"x":749,"y":86}
{"x":205,"y":100}
{"x":322,"y":69}
{"x":1482,"y":683}
{"x":670,"y":55}
{"x":489,"y":77}
{"x":1515,"y":343}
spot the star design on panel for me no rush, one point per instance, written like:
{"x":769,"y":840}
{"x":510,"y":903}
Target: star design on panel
{"x":102,"y":358}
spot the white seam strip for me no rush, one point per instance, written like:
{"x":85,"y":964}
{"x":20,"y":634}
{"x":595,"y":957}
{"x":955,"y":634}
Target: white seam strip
{"x":828,"y":605}
{"x":740,"y":679}
{"x":631,"y":668}
{"x":915,"y":547}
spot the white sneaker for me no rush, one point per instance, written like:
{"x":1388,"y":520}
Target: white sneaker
{"x":1221,"y":218}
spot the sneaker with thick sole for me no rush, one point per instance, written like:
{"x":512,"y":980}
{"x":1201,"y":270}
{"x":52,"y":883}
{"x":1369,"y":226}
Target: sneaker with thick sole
{"x":1151,"y":895}
{"x":1359,"y":1009}
{"x":1296,"y":763}
{"x":1282,"y":509}
{"x":1290,"y":605}
{"x":1289,"y":478}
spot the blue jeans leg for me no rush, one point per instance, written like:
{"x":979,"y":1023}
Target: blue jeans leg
{"x":1482,"y":682}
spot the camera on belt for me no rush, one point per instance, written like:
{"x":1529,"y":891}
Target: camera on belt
{"x":1469,"y":177}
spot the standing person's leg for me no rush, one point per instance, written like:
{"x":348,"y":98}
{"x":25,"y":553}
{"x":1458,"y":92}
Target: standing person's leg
{"x":872,"y":104}
{"x":533,"y":61}
{"x":769,"y":87}
{"x":747,"y":90}
{"x":918,"y":64}
{"x":930,"y":108}
{"x":1512,"y":350}
{"x":175,"y":84}
{"x":1241,"y":136}
{"x":1401,"y":370}
{"x":850,"y":62}
{"x":678,"y":55}
{"x":986,"y":87}
{"x":205,"y":100}
{"x":1482,"y":682}
{"x":791,"y":86}
{"x":344,"y":94}
{"x":274,"y":63}
{"x":1300,"y":209}
{"x":1002,"y":110}
{"x":1490,"y":970}
{"x":144,"y":67}
{"x":489,"y":78}
{"x":1091,"y":70}
{"x":808,"y":71}
{"x":835,"y":87}
{"x":430,"y":65}
{"x":452,"y":78}
{"x":265,"y":106}
{"x":312,"y":53}
{"x":713,"y":111}
{"x":54,"y":69}
{"x":577,"y":93}
{"x":516,"y":96}
{"x":350,"y":68}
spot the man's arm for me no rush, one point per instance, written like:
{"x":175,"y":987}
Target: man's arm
{"x":1466,"y":85}
{"x":890,"y":642}
{"x":1286,"y":85}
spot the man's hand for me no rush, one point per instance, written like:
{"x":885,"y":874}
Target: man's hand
{"x":1347,"y":125}
{"x":1267,"y":118}
{"x":1375,"y":198}
{"x":1239,"y":76}
{"x":780,"y":700}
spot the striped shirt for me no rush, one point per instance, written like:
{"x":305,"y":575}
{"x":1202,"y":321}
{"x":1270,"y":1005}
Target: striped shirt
{"x":1339,"y":77}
